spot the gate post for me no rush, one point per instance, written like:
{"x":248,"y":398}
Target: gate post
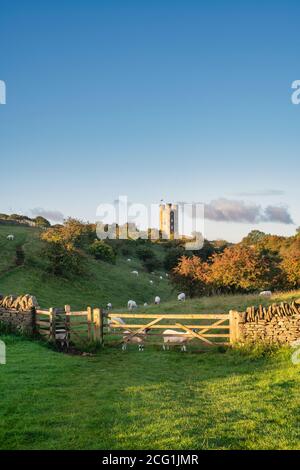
{"x":89,"y":319}
{"x":98,"y":325}
{"x":234,"y":326}
{"x":33,"y":321}
{"x":52,"y":312}
{"x":68,"y":324}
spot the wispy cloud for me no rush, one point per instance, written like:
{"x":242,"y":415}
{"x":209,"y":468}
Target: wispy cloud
{"x":226,"y":210}
{"x":262,"y":193}
{"x":53,"y":215}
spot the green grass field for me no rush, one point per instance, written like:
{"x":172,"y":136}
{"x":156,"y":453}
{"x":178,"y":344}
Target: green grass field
{"x":154,"y":399}
{"x":213,"y":399}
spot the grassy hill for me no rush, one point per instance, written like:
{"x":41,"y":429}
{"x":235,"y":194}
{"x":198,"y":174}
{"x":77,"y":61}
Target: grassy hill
{"x":101,"y":283}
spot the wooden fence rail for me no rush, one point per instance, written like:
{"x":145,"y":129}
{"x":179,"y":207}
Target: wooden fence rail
{"x":95,"y":325}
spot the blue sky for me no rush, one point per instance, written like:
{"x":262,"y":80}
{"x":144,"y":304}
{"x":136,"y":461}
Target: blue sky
{"x":180,"y":100}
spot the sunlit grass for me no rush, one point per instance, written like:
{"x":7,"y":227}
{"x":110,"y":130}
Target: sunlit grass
{"x":155,"y":399}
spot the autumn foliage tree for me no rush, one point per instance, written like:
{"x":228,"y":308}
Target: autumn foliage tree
{"x":192,"y":276}
{"x":240,"y":268}
{"x":244,"y":269}
{"x":291,"y":263}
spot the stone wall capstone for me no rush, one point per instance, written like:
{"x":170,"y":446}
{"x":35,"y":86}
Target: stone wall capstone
{"x":18,"y":312}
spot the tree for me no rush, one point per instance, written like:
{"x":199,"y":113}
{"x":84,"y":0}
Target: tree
{"x":62,"y":247}
{"x":191,"y":275}
{"x":291,"y":263}
{"x":243,"y":268}
{"x":41,"y":222}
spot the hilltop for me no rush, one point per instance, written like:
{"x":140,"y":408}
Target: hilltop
{"x":22,"y":269}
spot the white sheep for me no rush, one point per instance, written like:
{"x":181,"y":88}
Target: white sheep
{"x":157,"y":300}
{"x":113,"y":322}
{"x":167,"y":275}
{"x":129,"y":259}
{"x":175,"y":337}
{"x":136,"y":339}
{"x":109,"y":306}
{"x":145,"y":304}
{"x":160,"y":277}
{"x":131,"y":304}
{"x":136,"y":273}
{"x":266,"y":293}
{"x":181,"y":297}
{"x":151,"y":282}
{"x":10,"y":237}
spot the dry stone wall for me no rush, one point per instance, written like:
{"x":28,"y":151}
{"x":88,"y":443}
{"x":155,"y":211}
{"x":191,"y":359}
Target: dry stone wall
{"x":18,"y":312}
{"x":278,"y":323}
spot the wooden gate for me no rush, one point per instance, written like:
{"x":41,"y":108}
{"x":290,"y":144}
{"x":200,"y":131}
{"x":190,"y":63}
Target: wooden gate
{"x":209,"y":329}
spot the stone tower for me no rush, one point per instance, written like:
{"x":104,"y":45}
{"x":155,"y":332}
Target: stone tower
{"x":168,"y":220}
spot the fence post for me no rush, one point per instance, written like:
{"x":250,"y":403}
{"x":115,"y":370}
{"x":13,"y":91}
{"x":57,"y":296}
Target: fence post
{"x":68,"y":324}
{"x":98,"y":325}
{"x":52,"y":312}
{"x":89,"y":322}
{"x":33,"y":321}
{"x":234,"y":326}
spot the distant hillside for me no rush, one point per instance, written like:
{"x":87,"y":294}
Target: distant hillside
{"x":22,"y":270}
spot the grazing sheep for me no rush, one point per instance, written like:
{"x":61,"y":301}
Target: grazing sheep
{"x":131,"y":304}
{"x":129,"y":259}
{"x":160,"y":277}
{"x":10,"y":237}
{"x":109,"y":306}
{"x":145,"y":304}
{"x":167,"y":275}
{"x":181,"y":297}
{"x":62,"y":339}
{"x":178,"y":338}
{"x":157,"y":300}
{"x":113,"y":323}
{"x":151,"y":282}
{"x":136,"y":273}
{"x":266,"y":293}
{"x":137,"y":339}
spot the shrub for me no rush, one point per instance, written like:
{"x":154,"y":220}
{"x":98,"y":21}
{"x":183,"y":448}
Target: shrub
{"x":100,"y":250}
{"x":151,"y":264}
{"x":63,"y":261}
{"x":172,"y":258}
{"x":145,"y":253}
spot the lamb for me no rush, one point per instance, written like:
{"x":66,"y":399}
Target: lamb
{"x":266,"y":293}
{"x":157,"y":300}
{"x":181,"y":297}
{"x":10,"y":237}
{"x":139,"y":339}
{"x":136,"y":273}
{"x":178,"y":338}
{"x":131,"y":304}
